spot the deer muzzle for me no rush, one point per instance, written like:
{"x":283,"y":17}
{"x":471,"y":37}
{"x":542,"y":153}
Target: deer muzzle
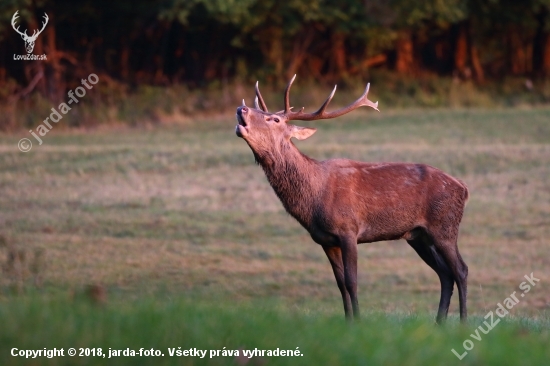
{"x":242,"y":128}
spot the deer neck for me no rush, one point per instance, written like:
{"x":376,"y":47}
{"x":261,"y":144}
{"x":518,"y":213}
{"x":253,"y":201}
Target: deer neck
{"x":294,"y":178}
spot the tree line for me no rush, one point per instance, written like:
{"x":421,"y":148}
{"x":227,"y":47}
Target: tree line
{"x":200,"y":42}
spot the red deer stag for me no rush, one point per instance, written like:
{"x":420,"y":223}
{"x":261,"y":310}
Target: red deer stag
{"x":342,"y":203}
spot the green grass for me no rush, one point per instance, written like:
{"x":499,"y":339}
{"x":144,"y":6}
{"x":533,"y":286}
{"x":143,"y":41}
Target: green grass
{"x":193,"y":248}
{"x":320,"y":338}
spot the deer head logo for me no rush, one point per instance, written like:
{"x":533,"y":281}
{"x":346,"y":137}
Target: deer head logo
{"x":29,"y":40}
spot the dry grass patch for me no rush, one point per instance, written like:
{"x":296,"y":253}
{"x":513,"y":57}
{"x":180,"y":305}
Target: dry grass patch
{"x":184,"y":209}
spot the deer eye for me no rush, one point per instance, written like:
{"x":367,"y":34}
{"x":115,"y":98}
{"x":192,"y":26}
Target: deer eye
{"x":276,"y":120}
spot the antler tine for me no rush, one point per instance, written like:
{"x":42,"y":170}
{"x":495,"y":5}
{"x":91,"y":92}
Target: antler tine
{"x":321,"y":114}
{"x":287,"y":95}
{"x":46,"y":19}
{"x":259,"y":98}
{"x":13,"y":21}
{"x":368,"y":103}
{"x":43,"y":25}
{"x":325,"y":104}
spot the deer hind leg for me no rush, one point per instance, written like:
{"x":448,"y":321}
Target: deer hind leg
{"x":424,"y":247}
{"x":334,"y":255}
{"x":449,"y":251}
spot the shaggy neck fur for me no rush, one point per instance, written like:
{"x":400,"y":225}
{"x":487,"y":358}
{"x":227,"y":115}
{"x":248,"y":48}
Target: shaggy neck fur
{"x":295,"y":178}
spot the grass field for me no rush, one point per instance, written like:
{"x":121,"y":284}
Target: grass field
{"x":181,"y":230}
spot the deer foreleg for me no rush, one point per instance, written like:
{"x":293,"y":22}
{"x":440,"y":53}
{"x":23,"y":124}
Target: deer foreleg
{"x":334,"y":255}
{"x":348,"y":245}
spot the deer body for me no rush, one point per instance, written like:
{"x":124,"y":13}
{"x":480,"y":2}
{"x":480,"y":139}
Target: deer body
{"x":342,"y":203}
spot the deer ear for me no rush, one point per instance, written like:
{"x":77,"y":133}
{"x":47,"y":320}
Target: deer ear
{"x":301,"y":133}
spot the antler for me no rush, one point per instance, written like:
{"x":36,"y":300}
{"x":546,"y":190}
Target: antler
{"x":24,"y":34}
{"x":260,"y":99}
{"x":35,"y":35}
{"x":13,"y":20}
{"x":321,"y":114}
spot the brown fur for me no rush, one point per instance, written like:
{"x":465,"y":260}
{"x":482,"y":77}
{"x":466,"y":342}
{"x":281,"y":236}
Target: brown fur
{"x":342,"y":203}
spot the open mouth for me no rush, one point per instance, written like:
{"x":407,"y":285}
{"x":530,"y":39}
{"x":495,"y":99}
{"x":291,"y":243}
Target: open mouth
{"x":241,"y":129}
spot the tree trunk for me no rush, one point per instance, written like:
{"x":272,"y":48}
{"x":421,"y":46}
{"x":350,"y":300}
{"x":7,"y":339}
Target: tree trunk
{"x":36,"y":67}
{"x":546,"y":59}
{"x":516,"y":53}
{"x":466,"y":54}
{"x":54,"y":70}
{"x":315,"y":66}
{"x":338,"y":54}
{"x":541,"y":45}
{"x":461,"y":49}
{"x":271,"y":46}
{"x":125,"y":62}
{"x":476,"y":64}
{"x":404,"y":62}
{"x":299,"y":52}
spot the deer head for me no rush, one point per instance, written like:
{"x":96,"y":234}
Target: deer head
{"x":264,"y":131}
{"x":29,"y":40}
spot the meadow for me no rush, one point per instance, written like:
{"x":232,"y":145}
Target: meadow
{"x":169,"y":236}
